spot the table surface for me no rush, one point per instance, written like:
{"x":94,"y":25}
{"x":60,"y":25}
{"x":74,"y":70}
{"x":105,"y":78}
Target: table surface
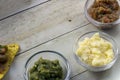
{"x":49,"y":25}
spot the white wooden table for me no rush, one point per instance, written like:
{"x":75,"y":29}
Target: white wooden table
{"x":49,"y":25}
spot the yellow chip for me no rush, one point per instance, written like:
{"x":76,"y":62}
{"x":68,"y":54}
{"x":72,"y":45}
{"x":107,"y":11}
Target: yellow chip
{"x":11,"y":52}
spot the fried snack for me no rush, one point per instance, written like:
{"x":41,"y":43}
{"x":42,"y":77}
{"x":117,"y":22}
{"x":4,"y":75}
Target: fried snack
{"x":10,"y":51}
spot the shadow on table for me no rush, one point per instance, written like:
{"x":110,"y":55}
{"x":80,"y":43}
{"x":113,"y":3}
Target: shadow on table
{"x":113,"y":31}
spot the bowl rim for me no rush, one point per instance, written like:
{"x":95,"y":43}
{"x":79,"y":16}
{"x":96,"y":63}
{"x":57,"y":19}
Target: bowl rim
{"x":97,"y":22}
{"x":77,"y":58}
{"x":50,"y":51}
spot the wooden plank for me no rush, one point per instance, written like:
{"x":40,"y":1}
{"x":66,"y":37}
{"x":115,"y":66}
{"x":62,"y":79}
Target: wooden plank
{"x":10,"y":7}
{"x":63,"y":44}
{"x":42,"y":23}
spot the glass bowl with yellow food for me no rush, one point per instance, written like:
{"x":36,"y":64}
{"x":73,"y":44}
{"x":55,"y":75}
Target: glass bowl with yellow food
{"x":47,"y":65}
{"x":104,"y":14}
{"x":96,"y":51}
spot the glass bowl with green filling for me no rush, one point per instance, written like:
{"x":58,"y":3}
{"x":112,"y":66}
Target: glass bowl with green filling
{"x":47,"y":65}
{"x":104,"y":14}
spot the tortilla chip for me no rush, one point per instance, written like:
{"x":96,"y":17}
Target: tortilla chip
{"x":12,"y":51}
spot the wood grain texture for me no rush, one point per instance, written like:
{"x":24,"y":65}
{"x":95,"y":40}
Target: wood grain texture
{"x":42,"y":23}
{"x":63,"y":44}
{"x":54,"y":25}
{"x":10,"y":7}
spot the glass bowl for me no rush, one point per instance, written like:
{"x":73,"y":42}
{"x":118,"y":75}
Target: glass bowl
{"x":98,"y":68}
{"x":100,"y":25}
{"x":50,"y":55}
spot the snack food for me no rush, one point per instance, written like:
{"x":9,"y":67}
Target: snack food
{"x":7,"y":54}
{"x":95,"y":51}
